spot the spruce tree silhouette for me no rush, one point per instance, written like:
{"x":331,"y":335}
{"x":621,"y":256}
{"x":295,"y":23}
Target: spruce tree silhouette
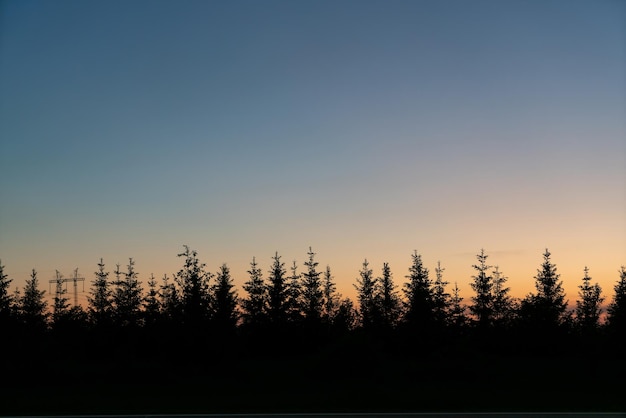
{"x":6,"y":299}
{"x":60,"y":308}
{"x":588,"y":307}
{"x":365,"y":286}
{"x":99,"y":299}
{"x":546,"y":310}
{"x":277,"y":293}
{"x":482,"y":284}
{"x":504,"y":307}
{"x":330,"y":296}
{"x":194,"y":283}
{"x":388,"y":299}
{"x":312,"y":295}
{"x":33,"y":308}
{"x":225,"y":313}
{"x":457,"y":317}
{"x":151,"y":304}
{"x":127,"y":297}
{"x":441,"y":299}
{"x":294,"y":295}
{"x":255,"y":305}
{"x":616,"y":317}
{"x":419,"y":301}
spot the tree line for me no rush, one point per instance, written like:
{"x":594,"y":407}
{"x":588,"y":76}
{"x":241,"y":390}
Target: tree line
{"x":199,"y":301}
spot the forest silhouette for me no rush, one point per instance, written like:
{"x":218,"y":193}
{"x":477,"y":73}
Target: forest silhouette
{"x":289,"y":342}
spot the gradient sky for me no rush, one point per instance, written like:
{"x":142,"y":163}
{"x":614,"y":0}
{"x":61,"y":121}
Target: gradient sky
{"x":365,"y":129}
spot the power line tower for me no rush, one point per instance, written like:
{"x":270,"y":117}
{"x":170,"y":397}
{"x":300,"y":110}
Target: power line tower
{"x":59,"y":280}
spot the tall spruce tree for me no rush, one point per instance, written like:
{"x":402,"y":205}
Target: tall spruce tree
{"x":588,"y":307}
{"x":33,"y":308}
{"x":419,"y":300}
{"x":254,"y":306}
{"x":277,"y":292}
{"x":441,"y":299}
{"x":366,"y":289}
{"x":331,"y":298}
{"x":616,"y":317}
{"x":546,"y":309}
{"x":294,"y":295}
{"x":312,"y":295}
{"x":127,"y":297}
{"x":170,"y":301}
{"x":456,"y":313}
{"x":99,"y":303}
{"x":225,"y":314}
{"x":388,"y":299}
{"x":61,"y":306}
{"x":503,"y":304}
{"x":6,"y":299}
{"x":194,"y":283}
{"x":151,"y":303}
{"x":482,"y":284}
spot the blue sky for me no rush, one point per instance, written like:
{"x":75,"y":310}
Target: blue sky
{"x":361,"y":128}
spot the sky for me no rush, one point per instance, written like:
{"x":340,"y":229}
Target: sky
{"x":362,"y":129}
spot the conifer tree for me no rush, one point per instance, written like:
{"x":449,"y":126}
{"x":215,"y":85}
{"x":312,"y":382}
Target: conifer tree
{"x":588,"y":308}
{"x":194,"y":282}
{"x":127,"y":297}
{"x":367,"y":296}
{"x":346,"y":317}
{"x":482,"y":306}
{"x":60,"y":309}
{"x":456,"y":313}
{"x":99,"y":303}
{"x":294,"y":295}
{"x":389,"y":300}
{"x":6,"y":300}
{"x":617,"y":309}
{"x":170,"y":300}
{"x":546,"y":309}
{"x":225,"y":313}
{"x":503,"y":304}
{"x":33,"y":308}
{"x":151,"y":303}
{"x":441,"y":299}
{"x":254,"y":306}
{"x":312,"y":295}
{"x":277,"y":291}
{"x":331,"y":298}
{"x":419,"y":300}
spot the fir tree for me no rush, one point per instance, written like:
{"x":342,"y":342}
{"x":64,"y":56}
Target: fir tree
{"x":441,"y":299}
{"x":255,"y":304}
{"x":331,"y":298}
{"x":312,"y":295}
{"x":588,"y":308}
{"x":225,"y":313}
{"x":6,"y":300}
{"x":546,"y":309}
{"x":60,"y":309}
{"x":33,"y":308}
{"x":194,"y":282}
{"x":277,"y":291}
{"x":151,"y":304}
{"x":482,"y":306}
{"x":419,"y":303}
{"x":127,"y":297}
{"x":99,"y":303}
{"x":456,"y":313}
{"x":170,"y":300}
{"x":388,"y":299}
{"x":294,"y":295}
{"x":367,"y":296}
{"x":503,"y":304}
{"x":617,"y":309}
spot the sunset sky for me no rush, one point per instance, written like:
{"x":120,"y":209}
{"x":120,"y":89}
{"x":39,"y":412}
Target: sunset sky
{"x":364,"y":129}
